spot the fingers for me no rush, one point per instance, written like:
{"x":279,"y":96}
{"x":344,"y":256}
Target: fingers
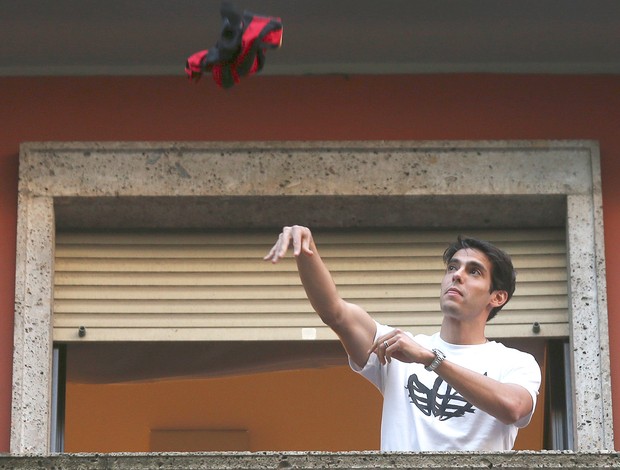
{"x":385,"y":346}
{"x":396,"y":345}
{"x":381,"y":341}
{"x":271,"y":256}
{"x":293,"y":233}
{"x":279,"y":249}
{"x":300,"y":238}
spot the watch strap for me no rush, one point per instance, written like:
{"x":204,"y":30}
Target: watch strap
{"x":439,"y":357}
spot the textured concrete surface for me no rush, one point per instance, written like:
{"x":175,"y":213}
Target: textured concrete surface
{"x":305,"y":168}
{"x":314,"y":460}
{"x":349,"y":184}
{"x":30,"y":414}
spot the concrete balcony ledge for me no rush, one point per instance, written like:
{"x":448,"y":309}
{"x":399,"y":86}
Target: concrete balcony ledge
{"x":314,"y":460}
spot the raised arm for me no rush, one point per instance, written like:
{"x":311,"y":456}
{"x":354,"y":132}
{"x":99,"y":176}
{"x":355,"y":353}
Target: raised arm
{"x":353,"y":325}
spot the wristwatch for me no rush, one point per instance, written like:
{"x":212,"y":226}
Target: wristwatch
{"x":439,"y":357}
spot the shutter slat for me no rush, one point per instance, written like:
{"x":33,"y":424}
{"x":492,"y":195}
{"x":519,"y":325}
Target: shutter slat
{"x":254,"y":252}
{"x":88,"y":278}
{"x":336,"y":265}
{"x":285,"y":319}
{"x":404,"y":305}
{"x":359,"y":291}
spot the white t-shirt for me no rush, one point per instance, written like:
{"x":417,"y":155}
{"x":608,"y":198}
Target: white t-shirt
{"x":421,"y":412}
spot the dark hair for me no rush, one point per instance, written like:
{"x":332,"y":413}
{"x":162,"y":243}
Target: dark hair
{"x":503,"y":274}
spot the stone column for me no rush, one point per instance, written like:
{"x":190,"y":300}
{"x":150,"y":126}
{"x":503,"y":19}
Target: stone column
{"x":32,"y":356}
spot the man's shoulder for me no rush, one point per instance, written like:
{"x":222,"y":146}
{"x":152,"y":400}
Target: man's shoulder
{"x":500,"y":350}
{"x":428,"y":341}
{"x":422,"y":339}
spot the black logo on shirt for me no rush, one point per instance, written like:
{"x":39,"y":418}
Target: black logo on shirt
{"x":433,"y":403}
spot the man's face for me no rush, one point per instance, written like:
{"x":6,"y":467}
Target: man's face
{"x":466,"y":286}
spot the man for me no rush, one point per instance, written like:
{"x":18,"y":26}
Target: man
{"x":454,"y":390}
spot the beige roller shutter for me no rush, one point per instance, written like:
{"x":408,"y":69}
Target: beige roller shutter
{"x":215,"y":286}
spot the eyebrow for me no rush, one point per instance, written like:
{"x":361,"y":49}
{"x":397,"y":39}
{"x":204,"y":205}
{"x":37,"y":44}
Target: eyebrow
{"x":471,"y":263}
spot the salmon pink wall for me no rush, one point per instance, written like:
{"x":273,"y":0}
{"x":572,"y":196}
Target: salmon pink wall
{"x":296,"y":410}
{"x":427,"y":107}
{"x":282,"y":411}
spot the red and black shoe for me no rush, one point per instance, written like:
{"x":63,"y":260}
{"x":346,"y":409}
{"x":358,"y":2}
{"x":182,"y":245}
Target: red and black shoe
{"x":240,"y":51}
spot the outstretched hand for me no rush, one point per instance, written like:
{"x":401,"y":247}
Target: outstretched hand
{"x":301,"y":237}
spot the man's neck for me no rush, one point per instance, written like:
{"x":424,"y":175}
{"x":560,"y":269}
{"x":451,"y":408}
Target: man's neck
{"x":457,"y":332}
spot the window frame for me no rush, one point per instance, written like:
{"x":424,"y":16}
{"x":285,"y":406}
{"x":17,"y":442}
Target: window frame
{"x":54,"y":172}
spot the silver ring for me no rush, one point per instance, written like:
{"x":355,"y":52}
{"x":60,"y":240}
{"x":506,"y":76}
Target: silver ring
{"x":385,"y":343}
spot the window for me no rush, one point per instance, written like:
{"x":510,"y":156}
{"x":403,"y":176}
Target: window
{"x":505,"y":185}
{"x":183,"y":314}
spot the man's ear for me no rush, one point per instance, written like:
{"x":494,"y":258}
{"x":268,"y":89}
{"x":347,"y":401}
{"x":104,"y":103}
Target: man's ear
{"x":498,"y":298}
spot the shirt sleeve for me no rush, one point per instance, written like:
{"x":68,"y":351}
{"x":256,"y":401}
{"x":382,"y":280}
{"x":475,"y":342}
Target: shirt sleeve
{"x":525,"y":372}
{"x":372,"y":369}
